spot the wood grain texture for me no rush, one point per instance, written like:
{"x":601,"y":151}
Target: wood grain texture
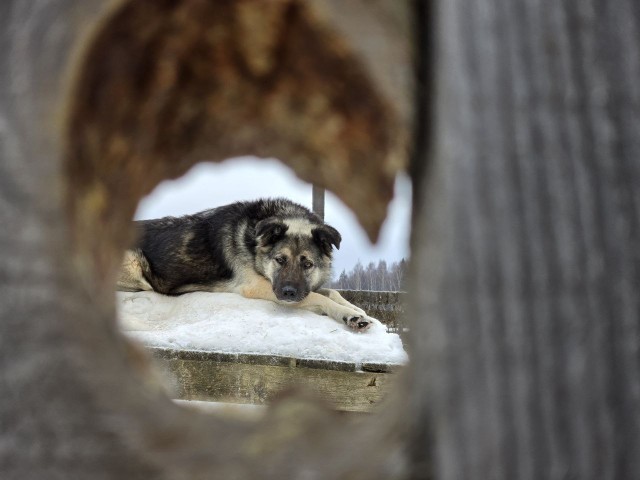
{"x":525,"y":269}
{"x":532,"y":305}
{"x":260,"y":380}
{"x":74,"y":401}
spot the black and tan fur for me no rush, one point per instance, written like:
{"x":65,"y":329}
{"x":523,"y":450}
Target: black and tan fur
{"x":271,"y":249}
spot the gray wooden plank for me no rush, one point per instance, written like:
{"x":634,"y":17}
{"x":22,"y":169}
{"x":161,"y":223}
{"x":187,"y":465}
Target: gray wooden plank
{"x":218,"y":377}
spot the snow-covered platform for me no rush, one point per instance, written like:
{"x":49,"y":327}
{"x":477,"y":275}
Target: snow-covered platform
{"x":222,"y":347}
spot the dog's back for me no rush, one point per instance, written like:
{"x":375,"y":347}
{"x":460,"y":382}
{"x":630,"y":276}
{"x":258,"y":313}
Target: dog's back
{"x":201,"y":251}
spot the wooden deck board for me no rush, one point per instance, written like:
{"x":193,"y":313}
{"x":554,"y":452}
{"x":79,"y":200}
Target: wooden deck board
{"x":256,"y":379}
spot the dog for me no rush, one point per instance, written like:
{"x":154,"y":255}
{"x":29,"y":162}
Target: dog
{"x":271,"y":249}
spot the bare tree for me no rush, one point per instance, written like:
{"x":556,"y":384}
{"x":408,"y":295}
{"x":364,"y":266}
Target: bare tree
{"x":377,"y":278}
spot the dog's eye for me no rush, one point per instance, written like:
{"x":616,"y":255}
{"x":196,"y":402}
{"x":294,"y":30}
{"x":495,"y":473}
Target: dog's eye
{"x":307,"y":265}
{"x":281,"y":260}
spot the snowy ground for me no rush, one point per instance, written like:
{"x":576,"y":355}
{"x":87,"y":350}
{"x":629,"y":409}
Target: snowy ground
{"x":229,"y":323}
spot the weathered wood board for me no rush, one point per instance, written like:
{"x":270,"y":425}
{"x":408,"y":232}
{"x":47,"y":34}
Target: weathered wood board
{"x":256,"y":379}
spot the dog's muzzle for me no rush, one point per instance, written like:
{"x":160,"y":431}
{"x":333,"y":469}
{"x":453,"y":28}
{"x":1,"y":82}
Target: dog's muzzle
{"x":290,"y":294}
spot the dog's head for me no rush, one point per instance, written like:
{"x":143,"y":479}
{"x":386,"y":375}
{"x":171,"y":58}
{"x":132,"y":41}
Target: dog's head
{"x":295,"y":255}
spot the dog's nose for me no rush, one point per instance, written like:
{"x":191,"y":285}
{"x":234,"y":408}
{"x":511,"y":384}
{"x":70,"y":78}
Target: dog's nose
{"x":289,"y":292}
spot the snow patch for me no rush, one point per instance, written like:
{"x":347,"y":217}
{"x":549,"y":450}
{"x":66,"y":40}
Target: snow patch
{"x":229,"y":323}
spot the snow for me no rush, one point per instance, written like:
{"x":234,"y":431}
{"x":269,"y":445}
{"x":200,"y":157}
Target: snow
{"x":229,"y":323}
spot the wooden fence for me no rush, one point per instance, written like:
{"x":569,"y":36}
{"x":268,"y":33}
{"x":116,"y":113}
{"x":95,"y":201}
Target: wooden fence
{"x":388,"y":307}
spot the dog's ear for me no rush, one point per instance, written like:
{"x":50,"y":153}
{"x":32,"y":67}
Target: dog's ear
{"x":325,"y":236}
{"x":269,"y":231}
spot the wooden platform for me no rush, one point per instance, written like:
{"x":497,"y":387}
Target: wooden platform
{"x":255,"y":379}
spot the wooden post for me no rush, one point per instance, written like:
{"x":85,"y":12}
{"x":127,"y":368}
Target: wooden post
{"x":318,"y":201}
{"x":528,"y":294}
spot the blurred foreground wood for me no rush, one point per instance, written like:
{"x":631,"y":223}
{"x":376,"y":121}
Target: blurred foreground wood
{"x":523,"y":294}
{"x":529,"y":224}
{"x":258,"y":379}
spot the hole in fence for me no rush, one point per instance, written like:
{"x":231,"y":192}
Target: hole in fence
{"x":163,"y":85}
{"x":216,"y":328}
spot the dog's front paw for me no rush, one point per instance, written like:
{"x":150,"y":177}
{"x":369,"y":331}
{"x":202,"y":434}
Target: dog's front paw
{"x":359,"y":323}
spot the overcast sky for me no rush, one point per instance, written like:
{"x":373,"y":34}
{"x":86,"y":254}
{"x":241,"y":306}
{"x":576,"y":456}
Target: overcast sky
{"x":208,"y":185}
